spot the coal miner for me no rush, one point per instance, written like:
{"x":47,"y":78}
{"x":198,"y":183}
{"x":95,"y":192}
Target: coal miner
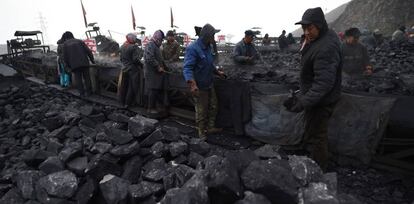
{"x":399,"y":35}
{"x":199,"y":73}
{"x":245,"y":52}
{"x":129,"y":88}
{"x":320,"y":82}
{"x":77,"y":55}
{"x":266,"y":40}
{"x":374,"y":40}
{"x":282,"y":40}
{"x":171,"y":48}
{"x":155,"y":75}
{"x":355,"y":55}
{"x":64,"y":77}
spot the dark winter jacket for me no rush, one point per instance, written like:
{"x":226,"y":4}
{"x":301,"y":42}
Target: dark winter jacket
{"x":283,"y":42}
{"x":152,"y":61}
{"x":242,"y":51}
{"x":320,"y":76}
{"x":131,"y":56}
{"x":355,"y":59}
{"x":76,"y":54}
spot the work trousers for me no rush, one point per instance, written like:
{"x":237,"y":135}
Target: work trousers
{"x":129,"y":88}
{"x":316,"y":133}
{"x":206,"y":110}
{"x":157,"y":97}
{"x":83,"y":80}
{"x":64,"y":77}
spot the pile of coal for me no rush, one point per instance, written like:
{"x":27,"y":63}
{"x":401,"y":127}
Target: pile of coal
{"x":393,"y":70}
{"x":58,"y":149}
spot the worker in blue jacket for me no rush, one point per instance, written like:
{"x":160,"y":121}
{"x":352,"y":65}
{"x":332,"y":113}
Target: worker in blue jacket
{"x":199,"y":73}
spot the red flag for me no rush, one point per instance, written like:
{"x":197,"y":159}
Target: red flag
{"x":172,"y":18}
{"x":84,"y":15}
{"x":133,"y":18}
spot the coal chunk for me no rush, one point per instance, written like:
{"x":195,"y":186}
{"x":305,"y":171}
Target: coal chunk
{"x":61,"y":184}
{"x":118,"y":117}
{"x":44,"y":198}
{"x":86,"y":192}
{"x":250,"y":197}
{"x":223,"y":180}
{"x":140,"y":126}
{"x":119,"y":137}
{"x":272,"y":178}
{"x":86,"y":110}
{"x":52,"y":165}
{"x":172,"y":134}
{"x":26,"y":181}
{"x":331,"y":180}
{"x":74,"y":133}
{"x":348,"y":199}
{"x":132,"y":169}
{"x":101,"y":147}
{"x":102,"y":165}
{"x":177,"y":148}
{"x":114,"y":189}
{"x":305,"y":169}
{"x":194,"y":159}
{"x":199,"y":146}
{"x":194,"y":191}
{"x":72,"y":150}
{"x":126,"y":150}
{"x":54,"y":146}
{"x":159,"y":149}
{"x":155,"y":170}
{"x":177,"y":176}
{"x":143,"y":190}
{"x":60,"y":132}
{"x":53,"y":123}
{"x":154,"y":137}
{"x":318,"y":193}
{"x":35,"y":157}
{"x":241,"y":158}
{"x":12,"y":197}
{"x":268,"y":152}
{"x":78,"y":165}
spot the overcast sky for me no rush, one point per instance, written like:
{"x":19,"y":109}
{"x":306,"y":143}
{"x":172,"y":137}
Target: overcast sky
{"x":232,"y":17}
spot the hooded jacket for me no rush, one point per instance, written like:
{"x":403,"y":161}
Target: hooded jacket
{"x":320,"y":76}
{"x":77,"y":54}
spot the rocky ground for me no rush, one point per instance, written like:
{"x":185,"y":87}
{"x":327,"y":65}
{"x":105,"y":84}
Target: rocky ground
{"x":56,"y":148}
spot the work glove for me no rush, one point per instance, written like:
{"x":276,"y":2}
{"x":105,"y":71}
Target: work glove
{"x":297,"y":107}
{"x":289,"y":102}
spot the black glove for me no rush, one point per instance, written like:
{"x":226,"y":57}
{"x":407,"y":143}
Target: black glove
{"x":292,"y":104}
{"x":289,"y":102}
{"x":297,"y":107}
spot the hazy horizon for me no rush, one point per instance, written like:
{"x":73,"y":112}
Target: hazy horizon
{"x":232,"y":17}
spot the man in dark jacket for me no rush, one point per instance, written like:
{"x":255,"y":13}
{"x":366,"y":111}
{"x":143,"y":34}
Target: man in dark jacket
{"x":355,"y":55}
{"x":320,"y":82}
{"x":283,"y":43}
{"x":156,"y":82}
{"x":130,"y":56}
{"x":77,"y":55}
{"x":171,"y":48}
{"x":245,"y":52}
{"x":199,"y":73}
